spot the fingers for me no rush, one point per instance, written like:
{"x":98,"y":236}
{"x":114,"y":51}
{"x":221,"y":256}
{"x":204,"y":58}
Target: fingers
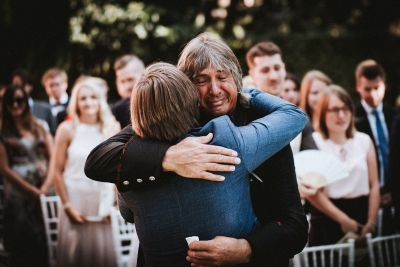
{"x":211,"y":177}
{"x":211,"y":149}
{"x":204,"y":139}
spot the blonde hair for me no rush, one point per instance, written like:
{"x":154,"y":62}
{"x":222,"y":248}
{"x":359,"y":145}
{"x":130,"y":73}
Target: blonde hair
{"x":305,"y":87}
{"x":107,"y":122}
{"x":54,"y":72}
{"x":164,"y":103}
{"x":206,"y":51}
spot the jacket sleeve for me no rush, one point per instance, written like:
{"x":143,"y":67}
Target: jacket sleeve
{"x":263,"y":137}
{"x":283,"y":229}
{"x":126,"y":160}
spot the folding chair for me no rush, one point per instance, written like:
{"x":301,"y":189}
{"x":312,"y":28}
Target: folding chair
{"x":50,"y":208}
{"x":384,"y":251}
{"x":125,"y":240}
{"x":326,"y":256}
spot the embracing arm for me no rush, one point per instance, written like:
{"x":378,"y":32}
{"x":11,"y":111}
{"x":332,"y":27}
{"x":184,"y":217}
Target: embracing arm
{"x":283,"y":229}
{"x":262,"y":138}
{"x":102,"y":163}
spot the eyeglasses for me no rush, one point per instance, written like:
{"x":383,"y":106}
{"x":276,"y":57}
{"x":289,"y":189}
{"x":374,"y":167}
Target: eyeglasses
{"x":337,"y":110}
{"x":18,"y":100}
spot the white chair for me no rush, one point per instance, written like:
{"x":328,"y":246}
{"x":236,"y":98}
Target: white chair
{"x":50,"y":208}
{"x":384,"y":251}
{"x":326,"y":256}
{"x":125,"y":239}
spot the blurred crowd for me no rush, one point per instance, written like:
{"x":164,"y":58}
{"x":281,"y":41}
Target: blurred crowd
{"x":44,"y":144}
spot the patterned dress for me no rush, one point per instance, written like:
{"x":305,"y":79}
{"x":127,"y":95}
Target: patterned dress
{"x":25,"y":237}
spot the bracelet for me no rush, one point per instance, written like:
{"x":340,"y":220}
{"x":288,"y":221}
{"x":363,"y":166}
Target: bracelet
{"x":67,"y":205}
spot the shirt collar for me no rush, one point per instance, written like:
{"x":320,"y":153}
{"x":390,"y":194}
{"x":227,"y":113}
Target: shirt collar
{"x":369,"y":109}
{"x":63,"y":100}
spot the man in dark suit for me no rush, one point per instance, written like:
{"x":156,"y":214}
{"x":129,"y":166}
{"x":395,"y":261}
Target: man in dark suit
{"x":55,"y":82}
{"x":128,"y":69}
{"x":375,"y":118}
{"x":394,"y":168}
{"x":138,"y":165}
{"x":40,"y":109}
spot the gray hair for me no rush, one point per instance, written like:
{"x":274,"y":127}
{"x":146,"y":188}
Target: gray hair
{"x":205,"y":51}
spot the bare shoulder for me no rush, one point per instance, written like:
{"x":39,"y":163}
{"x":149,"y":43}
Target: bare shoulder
{"x":65,"y":131}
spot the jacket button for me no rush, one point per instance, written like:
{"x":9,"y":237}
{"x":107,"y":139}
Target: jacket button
{"x":152,"y":178}
{"x":139,"y":180}
{"x":125,"y":182}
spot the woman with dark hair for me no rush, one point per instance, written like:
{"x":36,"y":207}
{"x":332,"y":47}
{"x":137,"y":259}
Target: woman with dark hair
{"x":291,"y":89}
{"x":165,"y":106}
{"x":351,"y":204}
{"x":25,"y":150}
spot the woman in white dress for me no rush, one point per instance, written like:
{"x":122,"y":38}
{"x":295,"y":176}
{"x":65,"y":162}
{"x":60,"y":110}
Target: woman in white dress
{"x":351,"y":204}
{"x":82,"y":240}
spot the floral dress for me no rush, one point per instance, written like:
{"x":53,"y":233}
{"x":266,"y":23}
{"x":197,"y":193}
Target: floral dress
{"x":25,"y":237}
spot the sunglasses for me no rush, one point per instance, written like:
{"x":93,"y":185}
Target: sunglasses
{"x":18,"y":100}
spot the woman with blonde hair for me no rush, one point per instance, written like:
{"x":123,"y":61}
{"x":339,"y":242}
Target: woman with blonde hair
{"x":351,"y":204}
{"x":25,"y":150}
{"x":313,"y":83}
{"x":85,"y":236}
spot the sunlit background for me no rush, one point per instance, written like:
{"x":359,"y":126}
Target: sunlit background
{"x":85,"y":36}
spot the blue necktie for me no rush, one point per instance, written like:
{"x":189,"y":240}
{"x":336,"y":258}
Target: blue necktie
{"x":383,"y":144}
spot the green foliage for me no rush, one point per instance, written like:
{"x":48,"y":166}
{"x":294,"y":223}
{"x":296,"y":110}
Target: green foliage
{"x":85,"y":36}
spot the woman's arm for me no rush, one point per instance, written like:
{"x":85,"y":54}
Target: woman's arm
{"x":374,"y":194}
{"x":44,"y":189}
{"x":321,"y":201}
{"x":59,"y":159}
{"x":12,"y":176}
{"x":262,"y":138}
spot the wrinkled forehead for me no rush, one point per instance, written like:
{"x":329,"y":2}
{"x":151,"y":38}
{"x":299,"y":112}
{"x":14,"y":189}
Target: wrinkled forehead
{"x":213,"y":70}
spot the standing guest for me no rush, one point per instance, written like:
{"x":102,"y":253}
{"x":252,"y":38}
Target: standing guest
{"x":214,"y":69}
{"x":267,"y":70}
{"x":55,"y":82}
{"x":351,"y":204}
{"x":375,"y":118}
{"x":40,"y":109}
{"x":81,"y":242}
{"x":314,"y":82}
{"x":291,"y":89}
{"x":128,"y":69}
{"x":25,"y":150}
